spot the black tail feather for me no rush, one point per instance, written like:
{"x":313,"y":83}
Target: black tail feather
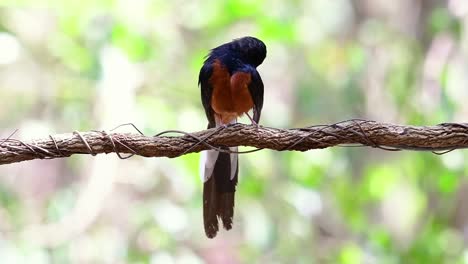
{"x":218,"y":196}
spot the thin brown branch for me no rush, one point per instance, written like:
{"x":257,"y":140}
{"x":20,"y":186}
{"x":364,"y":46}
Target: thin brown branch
{"x":443,"y":137}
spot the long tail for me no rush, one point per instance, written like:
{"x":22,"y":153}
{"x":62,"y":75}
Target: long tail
{"x":219,"y":172}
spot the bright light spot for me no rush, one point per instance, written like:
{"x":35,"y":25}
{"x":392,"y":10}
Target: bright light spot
{"x":401,"y":209}
{"x":458,"y":7}
{"x":188,"y":257}
{"x":257,"y":225}
{"x":191,"y":119}
{"x":170,"y":217}
{"x":307,"y":35}
{"x":118,"y":71}
{"x":456,"y":79}
{"x":454,"y":160}
{"x":307,"y":202}
{"x":162,"y":257}
{"x":9,"y":48}
{"x":465,"y":257}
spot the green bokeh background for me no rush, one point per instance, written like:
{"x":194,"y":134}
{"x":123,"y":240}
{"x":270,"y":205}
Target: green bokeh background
{"x":83,"y":65}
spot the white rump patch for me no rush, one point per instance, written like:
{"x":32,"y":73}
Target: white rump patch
{"x":207,"y":163}
{"x":233,"y":157}
{"x":208,"y":159}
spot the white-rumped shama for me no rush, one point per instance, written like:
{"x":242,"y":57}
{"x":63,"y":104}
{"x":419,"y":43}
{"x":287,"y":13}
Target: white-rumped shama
{"x":230,"y":87}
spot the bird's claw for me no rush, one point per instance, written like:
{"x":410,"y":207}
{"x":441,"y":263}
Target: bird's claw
{"x":253,"y":121}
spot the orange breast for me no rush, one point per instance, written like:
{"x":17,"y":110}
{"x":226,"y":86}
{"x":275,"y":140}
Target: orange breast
{"x":240,"y":92}
{"x":231,"y":96}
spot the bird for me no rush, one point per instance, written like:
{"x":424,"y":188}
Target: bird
{"x":230,"y":87}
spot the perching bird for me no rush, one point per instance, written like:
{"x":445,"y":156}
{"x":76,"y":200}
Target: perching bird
{"x":230,"y":87}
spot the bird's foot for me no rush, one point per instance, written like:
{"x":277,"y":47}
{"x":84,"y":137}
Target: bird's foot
{"x":253,"y":121}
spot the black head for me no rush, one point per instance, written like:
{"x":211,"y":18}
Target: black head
{"x":251,"y":50}
{"x":248,"y":49}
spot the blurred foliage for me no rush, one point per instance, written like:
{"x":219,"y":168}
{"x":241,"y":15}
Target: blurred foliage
{"x":81,"y":65}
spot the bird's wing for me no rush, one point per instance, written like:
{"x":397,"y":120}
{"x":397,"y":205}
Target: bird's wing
{"x":256,"y":91}
{"x":207,"y":91}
